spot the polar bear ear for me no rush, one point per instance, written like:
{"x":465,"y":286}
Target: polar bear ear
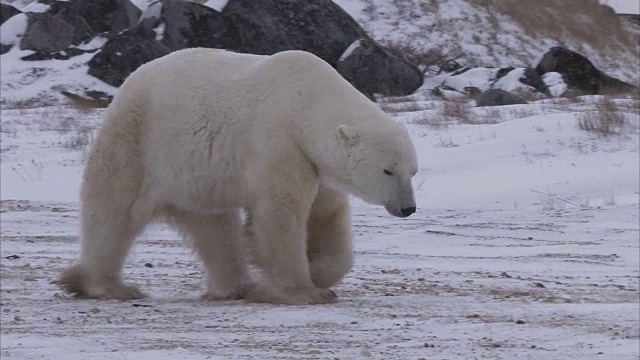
{"x":347,"y":134}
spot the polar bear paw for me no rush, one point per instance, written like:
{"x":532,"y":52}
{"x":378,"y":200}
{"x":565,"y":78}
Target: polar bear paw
{"x":78,"y":282}
{"x":265,"y":294}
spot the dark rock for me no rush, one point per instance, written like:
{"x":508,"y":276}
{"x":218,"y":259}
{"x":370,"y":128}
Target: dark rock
{"x":497,"y":97}
{"x":53,"y":32}
{"x":504,"y":71}
{"x":5,"y":48}
{"x":374,"y":70}
{"x":579,"y":73}
{"x":71,"y":22}
{"x":533,"y":79}
{"x":270,"y":26}
{"x":7,"y":11}
{"x":121,"y":55}
{"x":611,"y":85}
{"x":259,"y":27}
{"x":472,"y":92}
{"x":576,"y":69}
{"x":179,"y":24}
{"x":106,"y":16}
{"x":633,"y":19}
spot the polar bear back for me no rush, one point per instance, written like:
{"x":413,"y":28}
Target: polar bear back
{"x":206,"y":116}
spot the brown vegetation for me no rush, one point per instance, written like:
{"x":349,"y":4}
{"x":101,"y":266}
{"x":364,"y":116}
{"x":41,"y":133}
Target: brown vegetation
{"x":586,"y":21}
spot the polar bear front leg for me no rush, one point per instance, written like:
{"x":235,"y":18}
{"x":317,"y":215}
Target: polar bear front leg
{"x":329,"y":244}
{"x":279,"y":229}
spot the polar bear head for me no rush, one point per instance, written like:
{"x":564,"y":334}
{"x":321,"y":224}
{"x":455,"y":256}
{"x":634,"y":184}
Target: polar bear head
{"x":378,"y":163}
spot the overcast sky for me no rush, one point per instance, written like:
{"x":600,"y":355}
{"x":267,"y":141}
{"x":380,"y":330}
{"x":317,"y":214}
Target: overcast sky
{"x":624,"y":6}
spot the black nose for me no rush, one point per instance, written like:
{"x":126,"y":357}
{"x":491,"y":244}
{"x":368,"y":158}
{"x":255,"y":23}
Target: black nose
{"x":408,"y":211}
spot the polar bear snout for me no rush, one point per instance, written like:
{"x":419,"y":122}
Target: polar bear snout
{"x":400,"y":211}
{"x":408,"y":211}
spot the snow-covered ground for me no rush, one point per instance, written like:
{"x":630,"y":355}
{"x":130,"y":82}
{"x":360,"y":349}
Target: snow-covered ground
{"x":525,"y":245}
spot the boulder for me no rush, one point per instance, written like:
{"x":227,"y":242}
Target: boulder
{"x":259,"y":27}
{"x":372,"y":69}
{"x":7,"y":11}
{"x":52,"y":32}
{"x":121,"y":55}
{"x":579,"y":73}
{"x":497,"y":97}
{"x":270,"y":26}
{"x":72,"y":22}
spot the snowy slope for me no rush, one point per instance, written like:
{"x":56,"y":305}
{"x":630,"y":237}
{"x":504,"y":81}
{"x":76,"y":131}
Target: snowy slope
{"x":525,"y":245}
{"x":484,"y":37}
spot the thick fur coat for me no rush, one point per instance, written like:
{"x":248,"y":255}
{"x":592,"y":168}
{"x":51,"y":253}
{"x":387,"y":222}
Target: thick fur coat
{"x":198,"y":135}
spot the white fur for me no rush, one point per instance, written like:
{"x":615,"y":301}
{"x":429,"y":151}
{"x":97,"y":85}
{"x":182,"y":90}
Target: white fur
{"x":199,"y":134}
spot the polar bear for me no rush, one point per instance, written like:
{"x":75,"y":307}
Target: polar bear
{"x":198,"y":135}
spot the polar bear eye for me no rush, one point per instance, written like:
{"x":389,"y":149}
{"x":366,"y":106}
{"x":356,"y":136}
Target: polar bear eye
{"x":388,"y":172}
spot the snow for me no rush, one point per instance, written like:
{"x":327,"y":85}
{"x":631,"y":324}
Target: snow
{"x":555,"y":83}
{"x":13,"y":29}
{"x":481,"y":78}
{"x":217,"y":5}
{"x":159,"y":30}
{"x":624,"y":6}
{"x":36,"y":7}
{"x":152,"y":11}
{"x":350,"y":49}
{"x":511,"y":81}
{"x":525,"y":245}
{"x":40,"y":82}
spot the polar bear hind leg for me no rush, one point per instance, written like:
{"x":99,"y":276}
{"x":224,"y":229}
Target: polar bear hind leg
{"x":329,"y":246}
{"x":113,"y":210}
{"x":218,"y":242}
{"x":108,"y":232}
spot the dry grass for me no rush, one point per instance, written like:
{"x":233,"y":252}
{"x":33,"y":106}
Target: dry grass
{"x":457,"y":109}
{"x":432,"y":60}
{"x":432,"y":121}
{"x":607,"y":119}
{"x":590,"y":23}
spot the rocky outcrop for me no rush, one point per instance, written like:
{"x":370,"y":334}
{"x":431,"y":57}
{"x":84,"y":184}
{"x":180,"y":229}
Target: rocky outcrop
{"x":373,"y":70}
{"x":72,"y":22}
{"x":270,"y":26}
{"x":579,"y":73}
{"x":62,"y":29}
